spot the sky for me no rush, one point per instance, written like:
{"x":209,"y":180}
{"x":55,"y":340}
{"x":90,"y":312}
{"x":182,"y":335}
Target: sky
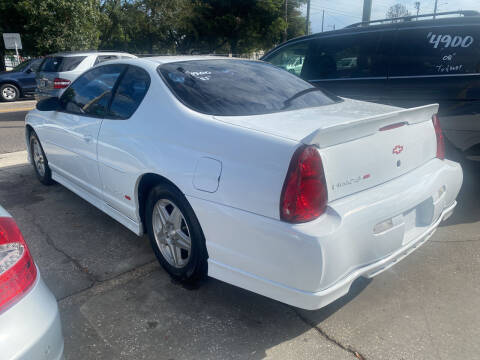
{"x":340,"y":13}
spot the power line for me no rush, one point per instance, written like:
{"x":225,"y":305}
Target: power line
{"x":338,"y":12}
{"x":318,"y":10}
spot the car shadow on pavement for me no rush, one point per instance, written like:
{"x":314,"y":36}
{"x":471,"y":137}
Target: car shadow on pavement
{"x":79,"y":250}
{"x":320,"y":315}
{"x":468,"y":200}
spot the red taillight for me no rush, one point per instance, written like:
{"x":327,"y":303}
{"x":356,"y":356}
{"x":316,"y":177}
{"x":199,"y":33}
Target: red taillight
{"x":17,"y":269}
{"x":392,"y":126}
{"x":304,"y":193}
{"x":440,"y":139}
{"x":59,"y":83}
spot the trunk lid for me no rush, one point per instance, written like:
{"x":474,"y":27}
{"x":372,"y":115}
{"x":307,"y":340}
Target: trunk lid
{"x":362,"y":144}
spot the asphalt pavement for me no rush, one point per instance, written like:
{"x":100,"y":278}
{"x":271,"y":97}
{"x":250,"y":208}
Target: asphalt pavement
{"x":117,"y":303}
{"x":12,"y":118}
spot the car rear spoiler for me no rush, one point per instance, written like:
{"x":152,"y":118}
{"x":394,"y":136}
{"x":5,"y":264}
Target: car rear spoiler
{"x":355,"y":129}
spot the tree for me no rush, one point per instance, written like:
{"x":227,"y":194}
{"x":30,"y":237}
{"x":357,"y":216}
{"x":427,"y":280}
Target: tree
{"x":11,"y":20}
{"x":142,"y":26}
{"x":60,"y":25}
{"x":152,"y":26}
{"x":232,"y":26}
{"x":396,"y":11}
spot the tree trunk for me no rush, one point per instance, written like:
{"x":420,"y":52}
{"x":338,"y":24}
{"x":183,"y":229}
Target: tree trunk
{"x":2,"y":59}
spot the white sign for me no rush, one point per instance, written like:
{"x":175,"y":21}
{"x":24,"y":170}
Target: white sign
{"x":12,"y":41}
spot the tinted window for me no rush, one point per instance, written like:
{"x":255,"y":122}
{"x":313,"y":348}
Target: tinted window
{"x":130,"y":92}
{"x":102,"y":58}
{"x":437,"y":51}
{"x":90,"y":94}
{"x":35,"y":64}
{"x":60,"y":63}
{"x":237,"y":87}
{"x":290,"y":57}
{"x":350,"y":56}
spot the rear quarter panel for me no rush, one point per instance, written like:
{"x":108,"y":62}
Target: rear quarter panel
{"x":166,"y":138}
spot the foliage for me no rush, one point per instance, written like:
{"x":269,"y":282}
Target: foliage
{"x":396,"y":11}
{"x":141,"y":26}
{"x":237,"y":27}
{"x":151,"y":26}
{"x":58,"y":25}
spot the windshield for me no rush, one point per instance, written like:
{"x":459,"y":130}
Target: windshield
{"x":239,"y":87}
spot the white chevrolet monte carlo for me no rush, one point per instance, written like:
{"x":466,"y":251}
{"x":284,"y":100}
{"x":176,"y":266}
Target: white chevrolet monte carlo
{"x":243,"y":171}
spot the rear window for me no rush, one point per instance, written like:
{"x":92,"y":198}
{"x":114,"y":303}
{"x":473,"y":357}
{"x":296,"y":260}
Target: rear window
{"x":238,"y":87}
{"x":61,"y":63}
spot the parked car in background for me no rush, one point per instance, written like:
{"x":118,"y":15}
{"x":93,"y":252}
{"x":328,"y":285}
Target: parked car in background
{"x":29,"y":319}
{"x":247,"y":173}
{"x":20,"y":81}
{"x":57,"y":71}
{"x":406,"y":63}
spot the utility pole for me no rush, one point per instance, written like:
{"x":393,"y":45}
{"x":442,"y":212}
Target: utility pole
{"x":307,"y":25}
{"x":435,"y":9}
{"x":323,"y":18}
{"x":286,"y":20}
{"x":367,"y":10}
{"x":417,"y":6}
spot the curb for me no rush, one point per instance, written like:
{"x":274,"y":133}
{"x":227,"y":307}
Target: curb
{"x":13,"y":159}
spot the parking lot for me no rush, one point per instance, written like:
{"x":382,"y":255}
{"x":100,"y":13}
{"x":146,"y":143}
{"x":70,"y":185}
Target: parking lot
{"x":116,"y":302}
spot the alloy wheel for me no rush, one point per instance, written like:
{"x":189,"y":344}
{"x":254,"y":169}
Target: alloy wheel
{"x":38,"y":158}
{"x":171,"y":233}
{"x":9,"y":93}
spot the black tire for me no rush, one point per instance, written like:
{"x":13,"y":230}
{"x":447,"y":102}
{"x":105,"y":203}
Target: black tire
{"x":9,"y":92}
{"x":46,"y":177}
{"x":196,"y":266}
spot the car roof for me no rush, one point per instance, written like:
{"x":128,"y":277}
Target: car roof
{"x":153,"y":62}
{"x":177,"y":58}
{"x":89,"y":52}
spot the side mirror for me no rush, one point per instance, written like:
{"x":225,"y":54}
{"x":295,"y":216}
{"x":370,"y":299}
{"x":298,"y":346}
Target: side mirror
{"x":28,"y":71}
{"x":49,"y":104}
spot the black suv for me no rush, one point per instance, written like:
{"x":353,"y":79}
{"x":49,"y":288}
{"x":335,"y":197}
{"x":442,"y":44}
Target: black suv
{"x":407,"y":63}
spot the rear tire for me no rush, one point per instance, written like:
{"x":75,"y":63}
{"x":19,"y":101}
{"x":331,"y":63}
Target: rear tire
{"x":175,"y":234}
{"x":9,"y":92}
{"x":39,"y":160}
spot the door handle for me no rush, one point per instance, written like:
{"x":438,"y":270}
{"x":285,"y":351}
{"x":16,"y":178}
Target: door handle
{"x":87,"y":138}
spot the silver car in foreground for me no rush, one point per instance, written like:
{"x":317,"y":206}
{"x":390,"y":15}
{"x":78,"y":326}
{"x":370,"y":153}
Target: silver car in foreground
{"x":58,"y":70}
{"x":29,"y":319}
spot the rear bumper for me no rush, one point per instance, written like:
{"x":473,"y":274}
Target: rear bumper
{"x":31,"y":328}
{"x":310,"y":265}
{"x":44,"y":94}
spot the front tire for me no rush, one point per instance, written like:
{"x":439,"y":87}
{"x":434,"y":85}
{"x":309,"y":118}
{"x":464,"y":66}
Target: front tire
{"x":175,"y":234}
{"x":9,"y":92}
{"x":39,"y":160}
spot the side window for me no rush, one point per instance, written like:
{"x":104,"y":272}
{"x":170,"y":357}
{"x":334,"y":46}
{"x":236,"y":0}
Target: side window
{"x":437,"y":51}
{"x":90,"y":94}
{"x":102,"y":58}
{"x":130,"y":92}
{"x":351,"y":56}
{"x":290,"y":57}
